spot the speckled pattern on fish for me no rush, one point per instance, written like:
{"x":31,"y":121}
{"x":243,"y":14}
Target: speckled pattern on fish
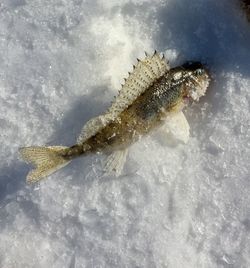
{"x":152,"y":93}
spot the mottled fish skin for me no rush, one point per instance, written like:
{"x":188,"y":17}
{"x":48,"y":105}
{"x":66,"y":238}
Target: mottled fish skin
{"x":166,"y":95}
{"x":150,"y":94}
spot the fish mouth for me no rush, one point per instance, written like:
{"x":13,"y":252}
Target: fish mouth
{"x":199,"y":79}
{"x":187,"y":99}
{"x":203,"y":86}
{"x":199,"y":87}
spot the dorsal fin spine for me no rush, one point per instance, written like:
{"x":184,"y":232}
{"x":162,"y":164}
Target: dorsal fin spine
{"x":145,"y":72}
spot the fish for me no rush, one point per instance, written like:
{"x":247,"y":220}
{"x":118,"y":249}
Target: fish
{"x":153,"y":96}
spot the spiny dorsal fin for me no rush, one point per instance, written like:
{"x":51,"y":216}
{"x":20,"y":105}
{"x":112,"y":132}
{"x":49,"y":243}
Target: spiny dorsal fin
{"x":145,"y":72}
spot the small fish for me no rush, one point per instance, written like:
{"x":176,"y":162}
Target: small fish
{"x":153,"y":96}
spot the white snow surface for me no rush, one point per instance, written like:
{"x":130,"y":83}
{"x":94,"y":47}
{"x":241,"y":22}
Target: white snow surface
{"x":61,"y":63}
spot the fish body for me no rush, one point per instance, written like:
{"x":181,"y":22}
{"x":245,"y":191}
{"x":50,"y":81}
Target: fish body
{"x":152,"y":93}
{"x":166,"y":95}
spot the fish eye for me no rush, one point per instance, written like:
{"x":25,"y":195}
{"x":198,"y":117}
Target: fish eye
{"x":199,"y":72}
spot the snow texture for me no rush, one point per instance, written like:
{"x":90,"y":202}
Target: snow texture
{"x":61,"y":63}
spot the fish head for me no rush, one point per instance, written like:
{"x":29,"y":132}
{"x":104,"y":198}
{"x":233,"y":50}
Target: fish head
{"x":197,"y":78}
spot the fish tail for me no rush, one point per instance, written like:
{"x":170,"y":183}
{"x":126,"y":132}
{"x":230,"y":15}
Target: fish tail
{"x":46,"y":160}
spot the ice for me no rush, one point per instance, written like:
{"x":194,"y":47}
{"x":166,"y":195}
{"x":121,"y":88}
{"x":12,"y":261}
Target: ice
{"x":61,"y":63}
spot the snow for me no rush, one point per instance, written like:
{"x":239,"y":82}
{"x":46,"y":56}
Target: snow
{"x":61,"y":63}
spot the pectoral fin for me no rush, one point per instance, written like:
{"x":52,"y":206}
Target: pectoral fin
{"x":115,"y":162}
{"x":176,"y":127}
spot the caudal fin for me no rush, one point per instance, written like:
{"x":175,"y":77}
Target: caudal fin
{"x":46,"y":160}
